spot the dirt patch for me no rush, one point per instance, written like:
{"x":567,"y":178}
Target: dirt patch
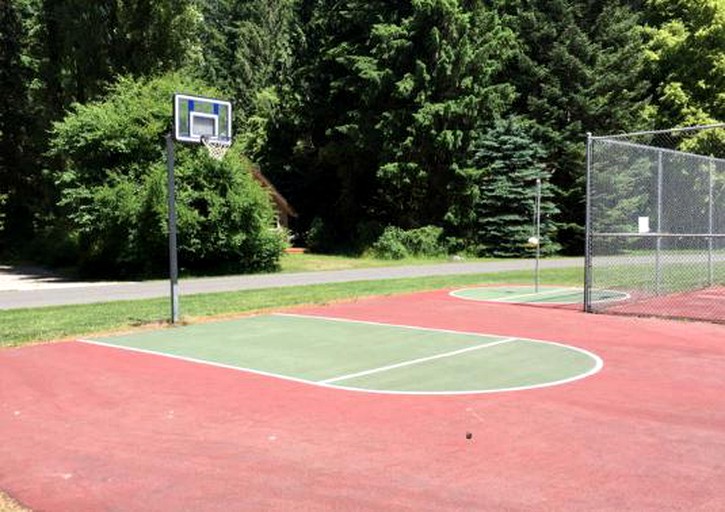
{"x":7,"y":504}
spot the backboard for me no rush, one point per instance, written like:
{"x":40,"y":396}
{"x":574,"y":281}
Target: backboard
{"x":196,"y":117}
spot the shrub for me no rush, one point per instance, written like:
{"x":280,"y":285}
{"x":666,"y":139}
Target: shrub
{"x":318,"y":237}
{"x":113,"y":188}
{"x":396,"y":243}
{"x":425,"y":241}
{"x":390,"y":245}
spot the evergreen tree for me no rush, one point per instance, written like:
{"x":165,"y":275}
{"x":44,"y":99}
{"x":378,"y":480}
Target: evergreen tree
{"x":25,"y":189}
{"x":580,"y":70}
{"x":507,"y":162}
{"x":82,"y":46}
{"x":393,"y":95}
{"x":446,"y":94}
{"x":248,"y":46}
{"x":14,"y":122}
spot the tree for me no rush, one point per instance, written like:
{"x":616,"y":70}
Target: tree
{"x":580,"y":70}
{"x":81,"y":46}
{"x":248,"y":48}
{"x":390,"y":97}
{"x":443,"y":59}
{"x":506,"y":164}
{"x":112,"y":185}
{"x":16,"y":126}
{"x":58,"y":52}
{"x":685,"y":60}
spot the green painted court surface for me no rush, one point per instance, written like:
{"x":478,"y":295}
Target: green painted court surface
{"x":368,"y":356}
{"x":529,"y":294}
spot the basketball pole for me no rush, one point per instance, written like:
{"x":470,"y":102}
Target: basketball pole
{"x":173,"y":260}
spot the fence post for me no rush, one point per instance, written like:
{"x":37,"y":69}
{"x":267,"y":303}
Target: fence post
{"x":588,"y":232}
{"x":711,"y":224}
{"x":658,"y":249}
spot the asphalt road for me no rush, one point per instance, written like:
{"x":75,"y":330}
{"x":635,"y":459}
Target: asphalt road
{"x":21,"y":290}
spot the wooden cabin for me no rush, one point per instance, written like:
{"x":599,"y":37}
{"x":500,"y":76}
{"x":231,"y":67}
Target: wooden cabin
{"x":283,"y":208}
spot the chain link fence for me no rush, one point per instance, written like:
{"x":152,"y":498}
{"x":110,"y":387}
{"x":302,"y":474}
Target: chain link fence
{"x":656,"y":223}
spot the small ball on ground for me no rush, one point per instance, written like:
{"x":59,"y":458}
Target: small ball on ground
{"x":469,"y":435}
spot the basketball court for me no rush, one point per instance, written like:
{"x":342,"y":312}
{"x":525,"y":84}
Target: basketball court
{"x":412,"y":402}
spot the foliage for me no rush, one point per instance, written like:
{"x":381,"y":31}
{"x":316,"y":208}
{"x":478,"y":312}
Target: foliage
{"x":247,"y":46}
{"x":248,"y":53}
{"x":114,"y":189}
{"x":506,"y":164}
{"x":390,"y":244}
{"x":16,"y":202}
{"x":66,"y":51}
{"x":391,"y":96}
{"x":580,"y":69}
{"x":363,"y":113}
{"x":686,"y":60}
{"x":396,"y":243}
{"x":82,"y":45}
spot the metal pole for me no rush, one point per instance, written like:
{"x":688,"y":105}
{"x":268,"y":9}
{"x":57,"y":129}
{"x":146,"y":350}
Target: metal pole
{"x":658,"y":250}
{"x":173,"y":261}
{"x":588,"y":233}
{"x":711,"y":226}
{"x":538,"y":234}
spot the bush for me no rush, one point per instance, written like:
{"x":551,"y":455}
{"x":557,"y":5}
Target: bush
{"x":396,"y":243}
{"x":390,"y":245}
{"x":425,"y":241}
{"x":113,"y":187}
{"x":319,"y":238}
{"x":226,"y":219}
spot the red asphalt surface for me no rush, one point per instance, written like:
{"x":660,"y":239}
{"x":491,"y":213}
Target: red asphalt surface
{"x":86,"y":427}
{"x":707,"y":304}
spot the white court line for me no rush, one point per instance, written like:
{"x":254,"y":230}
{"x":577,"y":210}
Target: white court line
{"x":622,"y":296}
{"x":189,"y":359}
{"x":516,"y":297}
{"x":539,"y":294}
{"x":383,"y":324}
{"x":416,"y":361}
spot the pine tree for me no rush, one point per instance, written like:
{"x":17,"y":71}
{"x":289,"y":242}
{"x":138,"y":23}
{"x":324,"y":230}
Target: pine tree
{"x":392,"y":95}
{"x":247,"y":46}
{"x":580,"y":70}
{"x":507,"y":163}
{"x":446,"y":94}
{"x":13,"y":118}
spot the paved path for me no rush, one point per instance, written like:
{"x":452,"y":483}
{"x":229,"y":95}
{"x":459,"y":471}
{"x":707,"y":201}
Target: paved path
{"x":30,"y":289}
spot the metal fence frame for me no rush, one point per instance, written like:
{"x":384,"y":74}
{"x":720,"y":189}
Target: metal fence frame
{"x":625,"y":140}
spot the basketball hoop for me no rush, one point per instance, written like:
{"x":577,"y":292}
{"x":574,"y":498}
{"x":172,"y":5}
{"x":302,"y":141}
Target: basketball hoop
{"x":217,"y":148}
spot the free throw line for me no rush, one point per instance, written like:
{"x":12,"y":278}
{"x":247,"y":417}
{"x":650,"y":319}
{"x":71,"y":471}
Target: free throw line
{"x":416,"y":361}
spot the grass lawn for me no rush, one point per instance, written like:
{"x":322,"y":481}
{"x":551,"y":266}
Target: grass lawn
{"x":21,"y":326}
{"x":306,"y":262}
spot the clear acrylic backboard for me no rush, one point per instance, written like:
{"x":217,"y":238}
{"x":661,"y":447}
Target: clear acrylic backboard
{"x":197,"y":117}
